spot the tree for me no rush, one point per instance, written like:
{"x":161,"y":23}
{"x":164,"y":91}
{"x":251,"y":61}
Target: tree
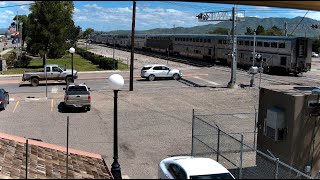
{"x":249,"y":31}
{"x":274,"y":31}
{"x":50,"y":25}
{"x":260,"y":30}
{"x":219,"y":30}
{"x":87,"y":33}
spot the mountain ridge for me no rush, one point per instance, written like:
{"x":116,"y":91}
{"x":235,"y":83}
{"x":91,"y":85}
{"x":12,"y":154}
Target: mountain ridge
{"x":303,"y":29}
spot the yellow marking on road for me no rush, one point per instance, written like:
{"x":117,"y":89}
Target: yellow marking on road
{"x":16,"y":106}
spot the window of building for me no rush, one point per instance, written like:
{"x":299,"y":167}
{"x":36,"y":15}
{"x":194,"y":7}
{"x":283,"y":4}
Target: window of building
{"x":274,"y":44}
{"x":283,"y":61}
{"x":194,"y":39}
{"x":200,"y":40}
{"x":266,"y":44}
{"x":251,"y":43}
{"x":224,"y":42}
{"x":259,"y":43}
{"x":240,"y":42}
{"x":220,"y":41}
{"x":205,"y":40}
{"x":197,"y":39}
{"x":246,"y":43}
{"x":282,"y":45}
{"x":209,"y":40}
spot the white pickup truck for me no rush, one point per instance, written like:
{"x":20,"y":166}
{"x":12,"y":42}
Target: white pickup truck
{"x":77,"y":96}
{"x":54,"y":72}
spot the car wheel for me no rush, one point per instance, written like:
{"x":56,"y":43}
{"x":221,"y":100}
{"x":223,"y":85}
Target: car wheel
{"x":34,"y":81}
{"x":152,"y":77}
{"x":68,"y":80}
{"x":176,"y":76}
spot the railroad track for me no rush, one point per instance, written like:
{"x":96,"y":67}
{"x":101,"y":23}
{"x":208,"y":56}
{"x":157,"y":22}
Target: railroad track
{"x":290,"y":80}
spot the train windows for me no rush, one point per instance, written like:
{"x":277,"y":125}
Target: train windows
{"x":274,"y":44}
{"x":183,"y":39}
{"x":266,"y":44}
{"x":246,"y":43}
{"x":251,"y":43}
{"x":240,"y":42}
{"x":209,"y":40}
{"x":224,"y":42}
{"x":194,"y":39}
{"x":282,"y":45}
{"x":197,"y":39}
{"x":283,"y":61}
{"x":200,"y":40}
{"x":259,"y":43}
{"x":205,"y":40}
{"x":220,"y":41}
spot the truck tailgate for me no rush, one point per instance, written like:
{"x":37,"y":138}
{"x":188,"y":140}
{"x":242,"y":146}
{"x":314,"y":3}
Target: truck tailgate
{"x":77,"y":99}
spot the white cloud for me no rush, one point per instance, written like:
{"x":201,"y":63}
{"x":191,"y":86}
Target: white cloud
{"x":8,"y":12}
{"x":262,"y":8}
{"x":3,"y":3}
{"x":76,"y":10}
{"x":146,"y":18}
{"x":93,"y":6}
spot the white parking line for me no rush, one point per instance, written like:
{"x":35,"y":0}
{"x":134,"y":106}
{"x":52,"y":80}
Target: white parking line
{"x":11,"y":99}
{"x":54,"y":89}
{"x":211,"y":82}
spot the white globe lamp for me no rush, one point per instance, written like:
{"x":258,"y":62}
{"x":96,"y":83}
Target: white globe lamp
{"x":116,"y":81}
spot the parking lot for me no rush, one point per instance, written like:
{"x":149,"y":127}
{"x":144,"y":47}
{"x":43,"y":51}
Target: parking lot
{"x":154,"y":120}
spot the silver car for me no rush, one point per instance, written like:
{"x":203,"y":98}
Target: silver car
{"x":153,"y":71}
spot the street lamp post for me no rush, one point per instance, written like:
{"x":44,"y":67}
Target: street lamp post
{"x":72,"y":50}
{"x":116,"y":82}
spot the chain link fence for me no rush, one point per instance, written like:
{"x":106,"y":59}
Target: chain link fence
{"x":235,"y":150}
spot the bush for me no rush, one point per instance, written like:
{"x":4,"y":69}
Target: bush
{"x":103,"y":62}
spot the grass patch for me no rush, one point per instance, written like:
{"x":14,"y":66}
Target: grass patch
{"x":80,"y":64}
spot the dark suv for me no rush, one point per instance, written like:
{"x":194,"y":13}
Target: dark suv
{"x":4,"y":99}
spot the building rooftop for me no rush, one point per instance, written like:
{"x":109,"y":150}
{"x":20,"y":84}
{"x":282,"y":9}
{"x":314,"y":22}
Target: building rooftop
{"x":292,"y":90}
{"x":47,"y":161}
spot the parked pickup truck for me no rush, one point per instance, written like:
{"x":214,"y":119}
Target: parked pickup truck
{"x":54,"y":72}
{"x":77,"y":96}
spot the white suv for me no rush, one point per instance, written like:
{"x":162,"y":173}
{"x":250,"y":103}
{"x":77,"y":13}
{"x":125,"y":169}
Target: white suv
{"x":315,"y":54}
{"x":153,"y":71}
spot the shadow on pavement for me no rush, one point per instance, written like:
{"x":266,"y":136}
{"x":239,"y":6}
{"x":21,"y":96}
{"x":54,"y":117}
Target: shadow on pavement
{"x":63,"y":109}
{"x":49,"y":84}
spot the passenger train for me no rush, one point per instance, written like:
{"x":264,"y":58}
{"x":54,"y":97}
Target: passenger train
{"x":279,"y":53}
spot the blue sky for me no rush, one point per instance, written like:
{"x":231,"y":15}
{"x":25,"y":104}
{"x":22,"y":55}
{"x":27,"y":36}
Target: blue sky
{"x":117,"y":15}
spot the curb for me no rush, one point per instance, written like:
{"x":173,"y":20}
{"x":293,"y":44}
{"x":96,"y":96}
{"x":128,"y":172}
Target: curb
{"x":83,"y":72}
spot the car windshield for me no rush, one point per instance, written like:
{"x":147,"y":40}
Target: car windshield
{"x":146,"y":68}
{"x":77,"y":88}
{"x":213,"y":176}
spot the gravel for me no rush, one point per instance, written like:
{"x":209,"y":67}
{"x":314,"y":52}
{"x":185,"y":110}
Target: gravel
{"x":140,"y":60}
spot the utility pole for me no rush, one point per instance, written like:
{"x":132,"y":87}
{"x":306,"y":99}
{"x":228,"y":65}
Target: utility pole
{"x":132,"y":44}
{"x":226,"y":16}
{"x":253,"y":70}
{"x":285,"y":28}
{"x":174,"y":28}
{"x":232,"y":83}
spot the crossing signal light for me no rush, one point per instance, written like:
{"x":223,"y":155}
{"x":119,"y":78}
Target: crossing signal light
{"x":258,"y":57}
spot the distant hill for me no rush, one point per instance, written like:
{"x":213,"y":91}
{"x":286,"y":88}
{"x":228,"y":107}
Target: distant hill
{"x":251,"y":22}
